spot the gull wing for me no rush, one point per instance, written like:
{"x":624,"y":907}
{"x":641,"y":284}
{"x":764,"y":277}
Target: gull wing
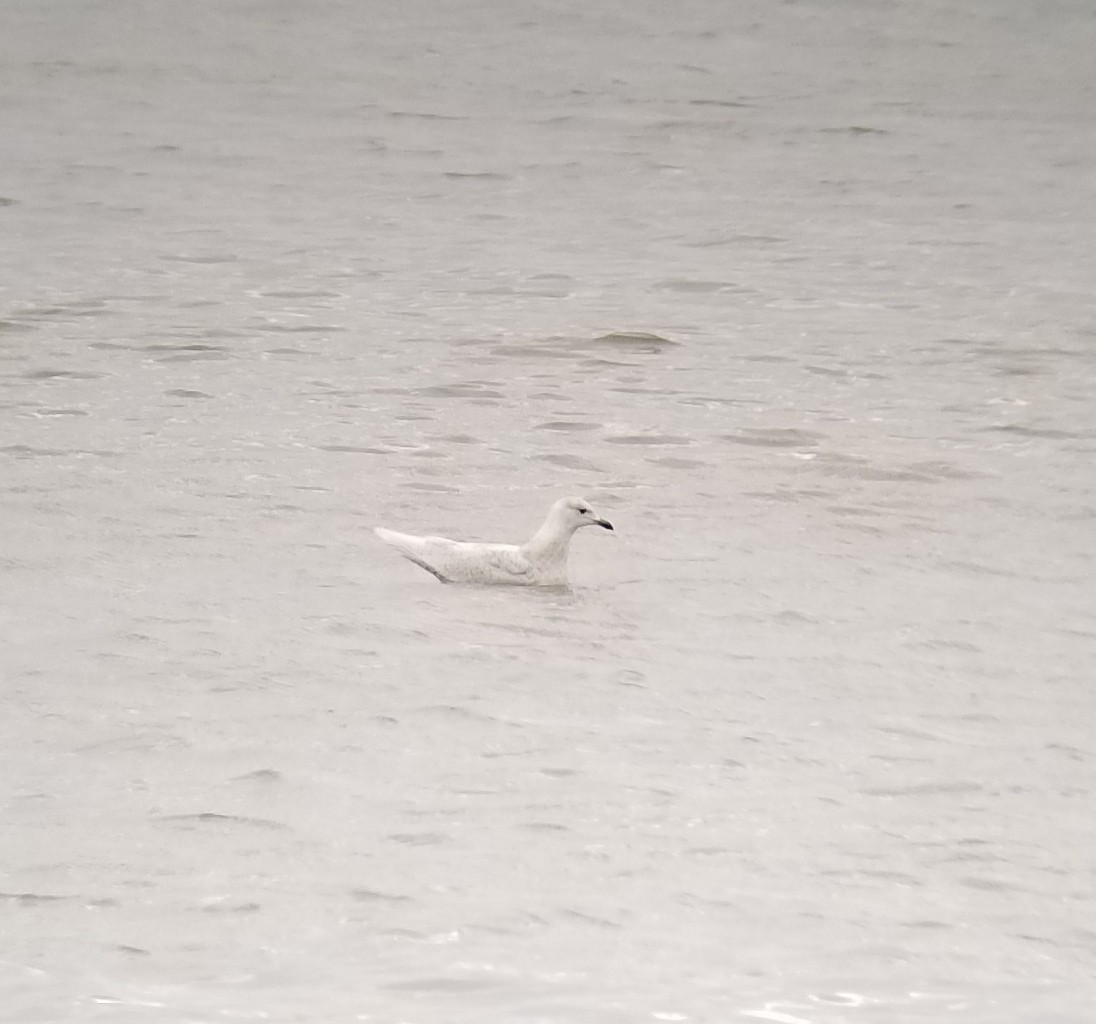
{"x":453,"y":561}
{"x":506,"y":559}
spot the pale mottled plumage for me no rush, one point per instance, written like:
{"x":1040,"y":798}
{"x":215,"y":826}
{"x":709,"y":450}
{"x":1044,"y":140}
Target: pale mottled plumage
{"x":541,"y":561}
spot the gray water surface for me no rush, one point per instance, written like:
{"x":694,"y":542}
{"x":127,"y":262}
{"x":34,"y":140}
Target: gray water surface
{"x":800,"y":294}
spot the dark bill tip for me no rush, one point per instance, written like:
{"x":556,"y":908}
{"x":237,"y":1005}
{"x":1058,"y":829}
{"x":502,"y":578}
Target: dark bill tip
{"x":605,"y":523}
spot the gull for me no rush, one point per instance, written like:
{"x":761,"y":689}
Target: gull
{"x":539,"y":562}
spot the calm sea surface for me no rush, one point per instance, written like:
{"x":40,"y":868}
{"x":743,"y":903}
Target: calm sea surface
{"x":801,"y":294}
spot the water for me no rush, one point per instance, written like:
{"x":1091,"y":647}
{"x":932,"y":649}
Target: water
{"x":811,"y":739}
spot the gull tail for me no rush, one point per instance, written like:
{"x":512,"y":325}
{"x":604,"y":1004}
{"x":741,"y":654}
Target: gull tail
{"x":412,"y":548}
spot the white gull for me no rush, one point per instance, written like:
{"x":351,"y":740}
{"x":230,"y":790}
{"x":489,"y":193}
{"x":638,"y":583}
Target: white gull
{"x":540,"y":562}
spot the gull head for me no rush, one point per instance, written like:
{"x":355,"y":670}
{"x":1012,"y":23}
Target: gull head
{"x":575,"y":513}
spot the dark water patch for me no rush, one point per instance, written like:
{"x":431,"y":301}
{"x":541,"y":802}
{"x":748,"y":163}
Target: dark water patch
{"x":597,"y":363}
{"x":946,"y":645}
{"x":61,"y":412}
{"x":1073,"y":753}
{"x":451,"y":712}
{"x":733,"y":239}
{"x":862,"y":527}
{"x":419,"y":838}
{"x":783,"y":495}
{"x":652,"y":440}
{"x":855,"y":467}
{"x":909,"y":733}
{"x":209,"y":258}
{"x":212,"y":818}
{"x":354,"y":449}
{"x":8,"y":201}
{"x":671,"y":462}
{"x":404,"y":934}
{"x":62,"y":310}
{"x":460,"y":439}
{"x":264,"y":775}
{"x":633,"y":390}
{"x":532,"y":351}
{"x":733,"y":104}
{"x":537,"y":291}
{"x":139,"y":741}
{"x":572,"y":426}
{"x":794,"y":617}
{"x":425,"y":116}
{"x":871,"y":875}
{"x":850,"y":510}
{"x":634,"y":341}
{"x":334,"y":392}
{"x":707,"y":401}
{"x":596,"y":349}
{"x":854,"y":129}
{"x":827,"y":371}
{"x":192,"y":346}
{"x":474,"y":342}
{"x":1041,"y":432}
{"x":759,"y":239}
{"x":899,"y":877}
{"x":468,"y":390}
{"x":211,"y":355}
{"x":775,"y":437}
{"x":477,"y":175}
{"x":62,"y":375}
{"x":302,"y":294}
{"x":376,"y":896}
{"x":271,"y":327}
{"x":946,"y":471}
{"x":222,"y":905}
{"x":112,"y":346}
{"x":26,"y":451}
{"x":186,"y":393}
{"x":432,"y":488}
{"x":212,"y":333}
{"x":670,"y":125}
{"x":926,"y":789}
{"x":894,"y":759}
{"x":1034,"y":352}
{"x":586,"y":918}
{"x":988,"y":884}
{"x":291,"y":353}
{"x":543,"y":826}
{"x":1043,"y":940}
{"x":688,"y":286}
{"x":32,"y":899}
{"x":15,"y":327}
{"x":893,"y":475}
{"x":980,"y":568}
{"x":974,"y":843}
{"x":1018,"y":371}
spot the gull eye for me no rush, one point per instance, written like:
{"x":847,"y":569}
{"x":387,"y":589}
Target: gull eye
{"x":582,"y":510}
